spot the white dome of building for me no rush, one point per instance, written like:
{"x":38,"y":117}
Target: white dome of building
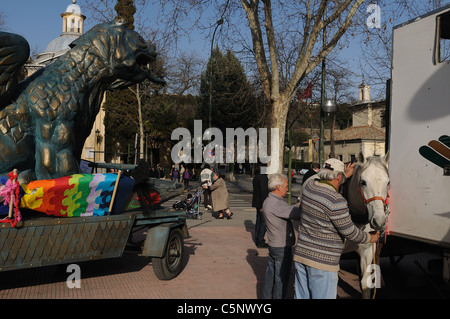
{"x":73,"y":23}
{"x":61,"y":43}
{"x":74,"y":8}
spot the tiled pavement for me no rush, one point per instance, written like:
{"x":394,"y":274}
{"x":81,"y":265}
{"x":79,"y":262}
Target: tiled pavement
{"x":221,"y":262}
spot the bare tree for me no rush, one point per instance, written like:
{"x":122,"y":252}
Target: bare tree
{"x":2,"y":20}
{"x":376,"y":43}
{"x":302,"y":22}
{"x":183,"y":75}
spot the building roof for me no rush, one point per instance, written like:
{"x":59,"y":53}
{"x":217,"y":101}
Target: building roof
{"x":359,"y":133}
{"x":373,"y":103}
{"x":61,"y":43}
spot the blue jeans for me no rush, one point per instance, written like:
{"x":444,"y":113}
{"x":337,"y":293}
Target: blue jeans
{"x":278,"y":271}
{"x":312,"y":283}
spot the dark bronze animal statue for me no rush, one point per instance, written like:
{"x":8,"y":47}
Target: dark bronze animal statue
{"x":51,"y":113}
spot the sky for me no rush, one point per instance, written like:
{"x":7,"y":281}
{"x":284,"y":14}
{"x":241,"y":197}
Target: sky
{"x":39,"y":22}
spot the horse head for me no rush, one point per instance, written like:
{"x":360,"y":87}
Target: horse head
{"x":368,"y":189}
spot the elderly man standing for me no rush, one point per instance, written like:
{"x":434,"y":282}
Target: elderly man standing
{"x":325,"y":223}
{"x":280,"y":234}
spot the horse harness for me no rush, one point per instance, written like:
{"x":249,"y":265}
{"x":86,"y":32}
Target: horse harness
{"x":360,"y":219}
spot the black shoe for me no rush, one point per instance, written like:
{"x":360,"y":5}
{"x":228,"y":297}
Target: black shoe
{"x":229,"y":215}
{"x":220,"y":217}
{"x":262,"y":246}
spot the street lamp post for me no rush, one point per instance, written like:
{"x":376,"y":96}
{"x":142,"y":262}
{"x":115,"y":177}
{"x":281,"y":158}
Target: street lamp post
{"x":326,"y":106}
{"x":218,"y":23}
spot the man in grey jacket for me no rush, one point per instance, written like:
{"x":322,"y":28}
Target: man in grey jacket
{"x":280,"y":234}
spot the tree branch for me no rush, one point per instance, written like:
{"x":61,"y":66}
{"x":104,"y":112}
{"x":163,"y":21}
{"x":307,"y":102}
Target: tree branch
{"x":272,"y":49}
{"x":251,"y":10}
{"x":330,"y":45}
{"x":304,"y":63}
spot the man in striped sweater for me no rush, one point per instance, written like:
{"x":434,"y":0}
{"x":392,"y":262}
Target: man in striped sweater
{"x":325,"y":223}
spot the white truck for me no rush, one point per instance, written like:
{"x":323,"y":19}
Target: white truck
{"x":418,"y":135}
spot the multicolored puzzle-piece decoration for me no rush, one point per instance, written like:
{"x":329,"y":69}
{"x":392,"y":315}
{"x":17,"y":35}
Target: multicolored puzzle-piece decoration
{"x":77,"y":195}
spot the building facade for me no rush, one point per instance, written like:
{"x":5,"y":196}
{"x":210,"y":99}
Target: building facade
{"x":72,"y":28}
{"x":367,"y":135}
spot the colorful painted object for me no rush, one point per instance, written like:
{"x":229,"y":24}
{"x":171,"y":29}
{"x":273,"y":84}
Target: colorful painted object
{"x":9,"y":196}
{"x":77,"y":195}
{"x":3,"y":207}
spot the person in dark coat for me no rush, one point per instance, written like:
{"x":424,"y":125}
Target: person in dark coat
{"x":260,"y":193}
{"x":312,"y":171}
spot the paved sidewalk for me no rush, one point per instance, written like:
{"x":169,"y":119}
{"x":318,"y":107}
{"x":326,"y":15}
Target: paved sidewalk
{"x":221,"y":262}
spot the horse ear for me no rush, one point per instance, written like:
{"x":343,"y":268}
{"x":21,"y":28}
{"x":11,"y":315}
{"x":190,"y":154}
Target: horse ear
{"x":361,"y":158}
{"x":386,"y":159}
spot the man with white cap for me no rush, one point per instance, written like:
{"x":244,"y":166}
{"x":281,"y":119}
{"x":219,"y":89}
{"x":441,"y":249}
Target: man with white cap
{"x":325,"y":223}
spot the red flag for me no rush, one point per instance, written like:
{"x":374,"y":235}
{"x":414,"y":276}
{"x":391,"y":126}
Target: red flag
{"x":307,"y":93}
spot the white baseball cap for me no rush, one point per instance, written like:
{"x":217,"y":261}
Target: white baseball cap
{"x":334,"y":165}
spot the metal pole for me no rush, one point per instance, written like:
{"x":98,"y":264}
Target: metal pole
{"x":322,"y":101}
{"x":289,"y":167}
{"x":218,"y":23}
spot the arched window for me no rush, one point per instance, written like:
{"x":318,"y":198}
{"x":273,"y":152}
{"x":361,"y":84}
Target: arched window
{"x":72,"y":25}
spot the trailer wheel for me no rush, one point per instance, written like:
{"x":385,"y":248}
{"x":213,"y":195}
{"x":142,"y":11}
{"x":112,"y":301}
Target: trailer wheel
{"x":169,"y":266}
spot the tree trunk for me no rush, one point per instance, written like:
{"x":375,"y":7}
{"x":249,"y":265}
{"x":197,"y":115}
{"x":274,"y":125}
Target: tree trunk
{"x":280,"y":108}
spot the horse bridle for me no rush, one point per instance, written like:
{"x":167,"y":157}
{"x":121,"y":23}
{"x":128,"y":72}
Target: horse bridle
{"x":366,"y":201}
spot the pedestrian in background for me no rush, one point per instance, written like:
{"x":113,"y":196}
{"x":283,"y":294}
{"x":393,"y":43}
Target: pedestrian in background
{"x":181,"y":173}
{"x":312,"y":171}
{"x":206,"y":180}
{"x":219,"y":196}
{"x":260,"y":193}
{"x":186,"y":178}
{"x":175,"y":174}
{"x":280,"y":233}
{"x":161,"y":172}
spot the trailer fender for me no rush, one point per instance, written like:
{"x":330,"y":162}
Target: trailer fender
{"x":156,"y":241}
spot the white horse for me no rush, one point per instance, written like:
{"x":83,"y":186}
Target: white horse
{"x":366,"y":194}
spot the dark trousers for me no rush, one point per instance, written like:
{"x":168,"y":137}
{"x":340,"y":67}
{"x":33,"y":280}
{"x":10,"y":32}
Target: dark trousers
{"x":260,"y":228}
{"x":207,"y":197}
{"x":278,"y":271}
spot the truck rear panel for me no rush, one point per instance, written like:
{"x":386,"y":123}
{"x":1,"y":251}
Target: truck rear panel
{"x":420,"y":114}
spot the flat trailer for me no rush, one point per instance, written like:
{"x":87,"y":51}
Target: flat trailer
{"x":39,"y":240}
